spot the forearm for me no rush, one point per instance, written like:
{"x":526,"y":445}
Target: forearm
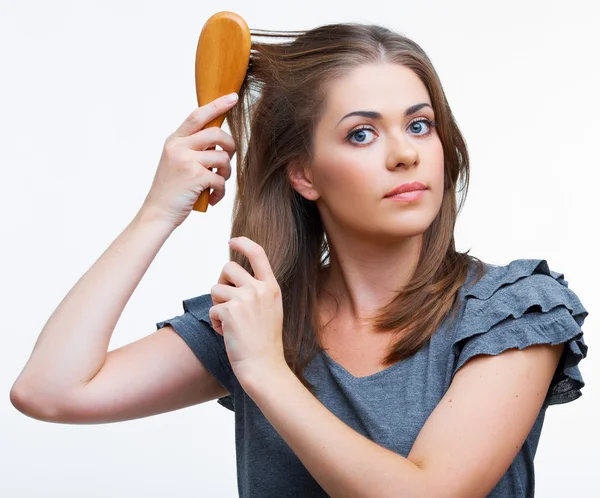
{"x":342,"y":461}
{"x":73,"y":344}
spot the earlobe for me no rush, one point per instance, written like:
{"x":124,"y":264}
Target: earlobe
{"x":300,"y":178}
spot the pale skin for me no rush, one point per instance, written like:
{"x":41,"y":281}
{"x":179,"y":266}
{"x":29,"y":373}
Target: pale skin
{"x":478,"y":427}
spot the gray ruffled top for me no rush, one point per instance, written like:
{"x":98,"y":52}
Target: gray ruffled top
{"x":512,"y":306}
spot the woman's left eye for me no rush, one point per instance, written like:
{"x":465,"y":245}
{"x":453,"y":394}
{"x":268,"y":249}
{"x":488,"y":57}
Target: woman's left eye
{"x":359,"y":134}
{"x":419,"y":124}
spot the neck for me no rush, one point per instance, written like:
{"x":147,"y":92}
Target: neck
{"x":365,"y":275}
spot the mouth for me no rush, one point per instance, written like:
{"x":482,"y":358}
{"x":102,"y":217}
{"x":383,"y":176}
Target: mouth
{"x":407,"y":191}
{"x":412,"y":195}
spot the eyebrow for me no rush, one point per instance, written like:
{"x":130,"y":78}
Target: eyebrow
{"x":375,"y":115}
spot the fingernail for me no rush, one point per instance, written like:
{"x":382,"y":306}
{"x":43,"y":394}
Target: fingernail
{"x":231,"y":98}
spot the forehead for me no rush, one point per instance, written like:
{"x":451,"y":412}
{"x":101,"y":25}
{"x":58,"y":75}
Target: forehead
{"x":383,"y":87}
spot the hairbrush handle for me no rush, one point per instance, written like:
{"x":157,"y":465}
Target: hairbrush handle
{"x":222,"y":60}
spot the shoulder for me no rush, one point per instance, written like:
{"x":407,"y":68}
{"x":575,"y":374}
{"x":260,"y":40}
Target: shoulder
{"x":195,"y":328}
{"x":513,"y":290}
{"x":518,"y":305}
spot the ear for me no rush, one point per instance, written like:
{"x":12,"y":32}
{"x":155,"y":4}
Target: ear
{"x":301,"y":180}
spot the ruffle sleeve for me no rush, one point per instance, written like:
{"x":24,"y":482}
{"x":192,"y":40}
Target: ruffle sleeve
{"x":519,"y":305}
{"x":195,"y":328}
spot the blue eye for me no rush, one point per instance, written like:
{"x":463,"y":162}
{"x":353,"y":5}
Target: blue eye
{"x":430,"y":124}
{"x":360,"y":134}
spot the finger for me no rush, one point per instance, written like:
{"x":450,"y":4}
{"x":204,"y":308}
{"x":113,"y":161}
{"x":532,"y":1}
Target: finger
{"x":235,"y":274}
{"x":257,"y":257}
{"x":218,"y":159}
{"x":216,"y":183}
{"x":222,"y":293}
{"x":216,"y":195}
{"x":209,"y":138}
{"x":215,"y":319}
{"x":201,"y":116}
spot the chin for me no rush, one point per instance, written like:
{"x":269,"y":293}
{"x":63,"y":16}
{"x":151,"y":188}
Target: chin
{"x":401,"y":232}
{"x":406,"y":232}
{"x":411,"y":226}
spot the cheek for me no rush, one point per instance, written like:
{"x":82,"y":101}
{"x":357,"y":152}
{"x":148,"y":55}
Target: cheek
{"x":436,"y":160}
{"x":341,"y":176}
{"x":439,"y":173}
{"x":438,"y":178}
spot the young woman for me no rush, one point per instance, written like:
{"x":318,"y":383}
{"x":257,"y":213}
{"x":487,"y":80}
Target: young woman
{"x":361,"y":353}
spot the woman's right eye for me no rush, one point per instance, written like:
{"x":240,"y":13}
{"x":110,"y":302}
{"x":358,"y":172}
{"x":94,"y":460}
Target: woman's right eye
{"x":359,"y":134}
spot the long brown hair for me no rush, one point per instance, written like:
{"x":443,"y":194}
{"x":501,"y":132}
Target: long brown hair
{"x":273,"y":123}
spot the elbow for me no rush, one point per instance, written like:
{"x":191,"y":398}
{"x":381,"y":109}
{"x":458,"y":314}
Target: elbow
{"x":425,"y":484}
{"x":34,"y":404}
{"x":429,"y":486}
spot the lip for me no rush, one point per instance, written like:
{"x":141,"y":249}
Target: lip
{"x":406,"y":187}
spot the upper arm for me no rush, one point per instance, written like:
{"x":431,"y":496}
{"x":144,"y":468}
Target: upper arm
{"x":156,"y":374}
{"x":479,"y":426}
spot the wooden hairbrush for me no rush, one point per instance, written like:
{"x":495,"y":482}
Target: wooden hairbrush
{"x":222,"y":59}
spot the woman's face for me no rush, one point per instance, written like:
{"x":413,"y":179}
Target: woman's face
{"x":358,"y":159}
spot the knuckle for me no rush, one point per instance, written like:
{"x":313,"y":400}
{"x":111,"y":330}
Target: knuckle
{"x":208,"y":137}
{"x":257,"y":250}
{"x":230,"y":266}
{"x":230,"y":147}
{"x":170,"y":144}
{"x":195,"y":117}
{"x":175,"y":152}
{"x":220,"y":137}
{"x":214,"y":130}
{"x":187,"y":163}
{"x":219,"y":181}
{"x":210,"y":133}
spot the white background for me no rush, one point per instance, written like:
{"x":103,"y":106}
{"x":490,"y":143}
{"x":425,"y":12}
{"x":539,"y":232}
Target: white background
{"x":89,"y":90}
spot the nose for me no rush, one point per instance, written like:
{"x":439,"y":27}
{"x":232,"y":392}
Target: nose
{"x":402,"y":152}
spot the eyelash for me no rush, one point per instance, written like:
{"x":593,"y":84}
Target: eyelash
{"x":431,"y":124}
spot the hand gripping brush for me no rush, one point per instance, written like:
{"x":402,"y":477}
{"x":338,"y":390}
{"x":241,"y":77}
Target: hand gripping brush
{"x":222,"y":58}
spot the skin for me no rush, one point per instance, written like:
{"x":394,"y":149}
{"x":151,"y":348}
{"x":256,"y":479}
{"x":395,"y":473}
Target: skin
{"x":375,"y":242}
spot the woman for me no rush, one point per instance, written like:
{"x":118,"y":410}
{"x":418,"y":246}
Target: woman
{"x":361,"y":353}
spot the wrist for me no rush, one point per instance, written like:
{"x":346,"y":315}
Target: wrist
{"x":147,"y":215}
{"x":254,"y":378}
